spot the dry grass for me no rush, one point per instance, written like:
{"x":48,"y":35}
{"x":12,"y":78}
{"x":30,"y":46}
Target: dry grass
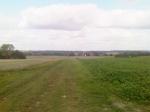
{"x":7,"y":64}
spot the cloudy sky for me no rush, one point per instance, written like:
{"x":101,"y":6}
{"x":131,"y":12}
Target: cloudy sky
{"x":75,"y":24}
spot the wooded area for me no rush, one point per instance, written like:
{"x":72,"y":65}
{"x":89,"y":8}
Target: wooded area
{"x":7,"y":51}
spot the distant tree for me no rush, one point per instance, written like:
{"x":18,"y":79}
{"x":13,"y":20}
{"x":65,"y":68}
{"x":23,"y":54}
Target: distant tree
{"x":4,"y":55}
{"x":7,"y":51}
{"x":18,"y":55}
{"x":7,"y":47}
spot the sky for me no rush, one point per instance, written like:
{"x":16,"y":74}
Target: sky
{"x":75,"y":24}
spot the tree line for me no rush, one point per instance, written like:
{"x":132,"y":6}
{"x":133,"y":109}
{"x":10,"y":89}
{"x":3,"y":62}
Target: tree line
{"x":7,"y":51}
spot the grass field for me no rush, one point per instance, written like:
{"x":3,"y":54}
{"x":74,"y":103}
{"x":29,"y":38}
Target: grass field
{"x":75,"y":85}
{"x":7,"y":64}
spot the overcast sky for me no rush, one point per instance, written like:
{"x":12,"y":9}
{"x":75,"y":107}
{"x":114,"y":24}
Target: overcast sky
{"x":75,"y":24}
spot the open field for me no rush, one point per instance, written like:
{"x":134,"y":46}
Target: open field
{"x":75,"y":85}
{"x":7,"y":64}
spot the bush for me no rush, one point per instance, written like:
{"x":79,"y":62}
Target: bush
{"x":12,"y":55}
{"x":18,"y":55}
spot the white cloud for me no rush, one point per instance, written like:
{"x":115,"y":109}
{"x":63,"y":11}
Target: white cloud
{"x":8,"y":22}
{"x":65,"y":17}
{"x":77,"y":27}
{"x":87,"y":39}
{"x":76,"y":17}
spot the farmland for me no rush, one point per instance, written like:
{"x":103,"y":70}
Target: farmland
{"x":7,"y":64}
{"x":56,"y":84}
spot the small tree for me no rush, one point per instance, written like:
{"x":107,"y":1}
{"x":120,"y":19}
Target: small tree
{"x":7,"y":47}
{"x":7,"y":51}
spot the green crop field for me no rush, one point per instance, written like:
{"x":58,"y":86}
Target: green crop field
{"x":75,"y":85}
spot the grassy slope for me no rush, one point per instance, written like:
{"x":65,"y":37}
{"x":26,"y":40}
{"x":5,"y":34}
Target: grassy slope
{"x":8,"y":64}
{"x":74,"y":86}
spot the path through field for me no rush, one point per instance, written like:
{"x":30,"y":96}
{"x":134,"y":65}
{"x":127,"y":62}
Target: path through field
{"x":61,"y":86}
{"x":47,"y":88}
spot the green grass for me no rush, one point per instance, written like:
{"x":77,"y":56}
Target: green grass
{"x":78,"y":85}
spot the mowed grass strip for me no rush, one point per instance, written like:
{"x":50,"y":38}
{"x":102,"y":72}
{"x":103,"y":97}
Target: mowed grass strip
{"x":47,"y":88}
{"x":19,"y":86}
{"x":78,"y":85}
